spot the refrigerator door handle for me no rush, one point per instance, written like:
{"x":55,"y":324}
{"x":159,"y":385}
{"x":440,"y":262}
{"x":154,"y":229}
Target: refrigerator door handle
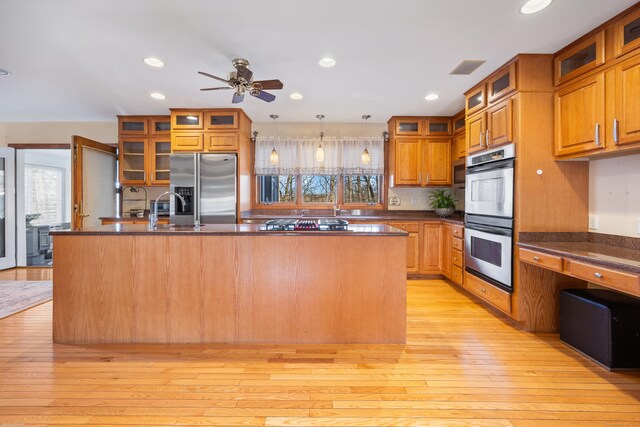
{"x":196,"y":210}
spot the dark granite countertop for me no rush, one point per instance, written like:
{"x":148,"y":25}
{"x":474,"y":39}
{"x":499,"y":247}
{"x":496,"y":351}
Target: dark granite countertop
{"x":617,"y":252}
{"x":226,"y":230}
{"x":352,"y":215}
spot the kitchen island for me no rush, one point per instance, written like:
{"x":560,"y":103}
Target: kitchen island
{"x":229,"y":283}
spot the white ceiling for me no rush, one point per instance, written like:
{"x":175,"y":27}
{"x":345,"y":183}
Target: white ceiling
{"x":78,"y":60}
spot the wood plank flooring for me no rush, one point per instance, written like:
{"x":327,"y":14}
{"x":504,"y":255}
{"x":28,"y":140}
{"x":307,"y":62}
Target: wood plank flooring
{"x":462,"y":366}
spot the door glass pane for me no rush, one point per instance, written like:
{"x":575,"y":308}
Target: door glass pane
{"x":475,"y":99}
{"x":408,"y":127}
{"x":133,"y":161}
{"x":487,"y":250}
{"x":221,"y":120}
{"x":501,"y":84}
{"x":188,"y":120}
{"x":631,"y":31}
{"x":489,"y":190}
{"x":439,"y":127}
{"x":459,"y":124}
{"x":3,"y":236}
{"x":578,"y":59}
{"x":133,"y":126}
{"x":163,"y":126}
{"x":44,"y":195}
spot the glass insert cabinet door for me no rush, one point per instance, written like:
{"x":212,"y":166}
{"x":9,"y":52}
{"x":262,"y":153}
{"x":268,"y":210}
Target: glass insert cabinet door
{"x":7,"y":209}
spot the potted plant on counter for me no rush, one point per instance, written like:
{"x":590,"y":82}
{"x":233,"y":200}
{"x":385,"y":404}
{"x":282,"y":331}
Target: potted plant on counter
{"x":443,"y":202}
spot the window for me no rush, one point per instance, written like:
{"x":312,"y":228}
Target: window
{"x":361,"y":189}
{"x":319,"y":188}
{"x":44,"y":194}
{"x":277,"y":188}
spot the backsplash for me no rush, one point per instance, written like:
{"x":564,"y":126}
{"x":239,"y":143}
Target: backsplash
{"x":415,"y":199}
{"x":614,"y":195}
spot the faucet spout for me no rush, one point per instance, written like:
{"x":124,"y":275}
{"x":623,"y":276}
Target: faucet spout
{"x":153,"y":218}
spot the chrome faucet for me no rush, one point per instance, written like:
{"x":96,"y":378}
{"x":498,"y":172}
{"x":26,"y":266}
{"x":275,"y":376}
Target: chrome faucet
{"x":153,"y":218}
{"x":336,"y":209}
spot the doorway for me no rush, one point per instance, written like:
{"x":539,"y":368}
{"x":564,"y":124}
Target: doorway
{"x":43,"y":202}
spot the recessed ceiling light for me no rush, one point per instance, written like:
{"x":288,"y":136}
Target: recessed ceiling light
{"x":4,"y":72}
{"x":534,"y":6}
{"x":327,"y":62}
{"x":432,"y":97}
{"x":157,"y":95}
{"x":154,"y":62}
{"x":296,"y":96}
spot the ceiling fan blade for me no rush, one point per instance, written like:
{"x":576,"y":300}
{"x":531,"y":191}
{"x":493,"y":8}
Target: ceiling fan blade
{"x":264,"y":96}
{"x":245,"y":73}
{"x":213,"y":77}
{"x":269,"y":84}
{"x":237,"y":98}
{"x":216,"y":88}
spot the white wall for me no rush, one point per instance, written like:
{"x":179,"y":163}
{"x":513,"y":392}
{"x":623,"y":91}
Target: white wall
{"x":57,"y":132}
{"x":614,"y":195}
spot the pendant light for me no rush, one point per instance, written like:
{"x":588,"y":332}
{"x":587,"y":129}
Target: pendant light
{"x":366,"y":157}
{"x":274,"y":158}
{"x":320,"y":149}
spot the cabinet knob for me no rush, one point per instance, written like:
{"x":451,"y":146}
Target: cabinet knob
{"x":455,"y":258}
{"x":536,"y":258}
{"x":598,"y":275}
{"x":483,"y":290}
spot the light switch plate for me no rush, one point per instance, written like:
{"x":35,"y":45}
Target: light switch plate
{"x":593,"y":222}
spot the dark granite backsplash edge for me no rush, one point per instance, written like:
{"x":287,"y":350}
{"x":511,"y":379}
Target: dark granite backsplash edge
{"x":605,"y":239}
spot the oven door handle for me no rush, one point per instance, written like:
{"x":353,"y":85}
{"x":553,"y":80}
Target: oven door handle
{"x":501,"y":164}
{"x":489,"y":229}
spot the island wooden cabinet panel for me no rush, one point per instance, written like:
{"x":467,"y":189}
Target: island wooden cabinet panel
{"x":580,"y":116}
{"x":413,"y":244}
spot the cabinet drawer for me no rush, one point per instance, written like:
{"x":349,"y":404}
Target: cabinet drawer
{"x":407,"y":226}
{"x":547,"y":261}
{"x":457,"y":231}
{"x":221,"y":141}
{"x":614,"y":279}
{"x":457,"y":244}
{"x":186,"y":141}
{"x":489,"y":293}
{"x":456,"y":274}
{"x":457,"y":258}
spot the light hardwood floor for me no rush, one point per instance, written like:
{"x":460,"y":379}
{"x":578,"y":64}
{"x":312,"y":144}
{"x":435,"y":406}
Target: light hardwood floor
{"x":462,"y":366}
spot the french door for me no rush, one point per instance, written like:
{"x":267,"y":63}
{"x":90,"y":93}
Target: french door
{"x":7,"y":209}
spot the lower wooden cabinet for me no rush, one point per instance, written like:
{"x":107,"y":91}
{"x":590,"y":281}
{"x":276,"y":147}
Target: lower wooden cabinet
{"x":445,"y":248}
{"x":489,"y":293}
{"x":413,"y":244}
{"x":431,"y":248}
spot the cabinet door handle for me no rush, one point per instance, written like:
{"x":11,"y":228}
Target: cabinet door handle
{"x":427,"y":178}
{"x":487,"y":139}
{"x":536,"y":258}
{"x":420,"y":177}
{"x":153,"y":176}
{"x":144,"y":176}
{"x":481,"y":137}
{"x":597,"y":135}
{"x":598,"y":275}
{"x":616,"y":137}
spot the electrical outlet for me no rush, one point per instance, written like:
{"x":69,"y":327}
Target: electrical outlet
{"x":593,"y":222}
{"x":394,"y":201}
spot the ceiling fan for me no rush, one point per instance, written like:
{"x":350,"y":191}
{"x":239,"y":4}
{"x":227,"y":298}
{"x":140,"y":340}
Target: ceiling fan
{"x":241,"y":81}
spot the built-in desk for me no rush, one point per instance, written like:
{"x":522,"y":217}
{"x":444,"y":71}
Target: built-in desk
{"x":551,"y":262}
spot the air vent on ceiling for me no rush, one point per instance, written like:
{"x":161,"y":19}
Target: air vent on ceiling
{"x":467,"y":67}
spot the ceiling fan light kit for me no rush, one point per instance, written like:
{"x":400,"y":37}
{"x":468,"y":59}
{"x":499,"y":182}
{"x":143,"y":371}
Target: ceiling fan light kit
{"x":241,"y":80}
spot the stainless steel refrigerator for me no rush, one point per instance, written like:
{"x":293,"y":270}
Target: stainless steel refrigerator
{"x":208,"y":184}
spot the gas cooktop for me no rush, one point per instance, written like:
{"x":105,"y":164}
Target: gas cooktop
{"x":324,"y":224}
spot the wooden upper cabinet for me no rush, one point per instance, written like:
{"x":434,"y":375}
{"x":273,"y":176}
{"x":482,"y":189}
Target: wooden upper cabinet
{"x":459,"y":146}
{"x":409,"y":126}
{"x":579,"y":116}
{"x":458,"y":122}
{"x":187,"y":141}
{"x":221,"y":120}
{"x":499,"y":124}
{"x":408,"y":161}
{"x":160,"y":125}
{"x":437,"y":162}
{"x":502,"y":83}
{"x":132,"y":158}
{"x":580,"y":58}
{"x":438,"y":126}
{"x":624,"y":126}
{"x":133,"y":125}
{"x":475,"y":133}
{"x":627,"y":33}
{"x":476,"y":99}
{"x":187,"y":120}
{"x":220,"y":141}
{"x":159,"y":157}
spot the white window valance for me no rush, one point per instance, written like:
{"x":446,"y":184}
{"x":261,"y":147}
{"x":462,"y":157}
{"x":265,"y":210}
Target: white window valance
{"x":342,"y":156}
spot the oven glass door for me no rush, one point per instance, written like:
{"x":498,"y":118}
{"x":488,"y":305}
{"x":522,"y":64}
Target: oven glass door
{"x":489,"y":192}
{"x":488,"y":251}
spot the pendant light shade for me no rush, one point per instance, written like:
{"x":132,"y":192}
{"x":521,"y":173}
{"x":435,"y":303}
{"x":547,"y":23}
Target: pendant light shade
{"x":366,"y":157}
{"x":320,"y":153}
{"x":274,"y":158}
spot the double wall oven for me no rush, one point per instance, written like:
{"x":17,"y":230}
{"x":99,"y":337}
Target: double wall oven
{"x":489,"y":216}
